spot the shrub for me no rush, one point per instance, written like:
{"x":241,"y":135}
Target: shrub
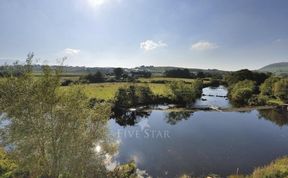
{"x":7,"y":166}
{"x":66,"y":82}
{"x":242,"y":95}
{"x":133,"y":95}
{"x":280,"y":89}
{"x":278,"y":168}
{"x":266,"y":89}
{"x":241,"y":92}
{"x":98,"y":77}
{"x":186,"y":93}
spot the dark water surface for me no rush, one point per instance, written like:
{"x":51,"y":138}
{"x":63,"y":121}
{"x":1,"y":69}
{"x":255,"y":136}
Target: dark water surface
{"x":168,"y":144}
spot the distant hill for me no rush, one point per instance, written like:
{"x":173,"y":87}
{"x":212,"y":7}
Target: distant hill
{"x":278,"y":68}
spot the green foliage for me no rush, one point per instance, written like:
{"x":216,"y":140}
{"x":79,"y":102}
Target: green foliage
{"x":186,"y":93}
{"x":280,"y":89}
{"x":7,"y":165}
{"x":98,"y":77}
{"x":245,"y":74}
{"x":275,"y":88}
{"x":266,"y":89}
{"x":125,"y":171}
{"x":53,"y":134}
{"x":241,"y":92}
{"x":133,"y":95}
{"x":277,"y":169}
{"x":178,"y":73}
{"x":118,"y":72}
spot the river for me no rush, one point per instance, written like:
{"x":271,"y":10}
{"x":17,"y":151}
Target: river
{"x":169,"y":144}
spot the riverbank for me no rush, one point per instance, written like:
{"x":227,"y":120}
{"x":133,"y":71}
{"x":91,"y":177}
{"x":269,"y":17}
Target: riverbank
{"x":175,"y":108}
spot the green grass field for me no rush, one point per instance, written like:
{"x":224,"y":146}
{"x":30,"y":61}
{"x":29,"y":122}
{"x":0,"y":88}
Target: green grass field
{"x":107,"y":91}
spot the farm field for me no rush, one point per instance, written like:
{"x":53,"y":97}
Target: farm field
{"x":107,"y":91}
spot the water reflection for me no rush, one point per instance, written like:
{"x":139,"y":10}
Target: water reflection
{"x":200,"y":143}
{"x":175,"y":117}
{"x":129,"y":118}
{"x":279,"y":117}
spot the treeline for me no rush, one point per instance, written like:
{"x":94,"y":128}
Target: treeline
{"x":185,"y":73}
{"x":118,"y":75}
{"x":15,"y":70}
{"x":253,"y":88}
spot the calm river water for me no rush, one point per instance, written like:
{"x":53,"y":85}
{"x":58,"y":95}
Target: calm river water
{"x":169,"y":144}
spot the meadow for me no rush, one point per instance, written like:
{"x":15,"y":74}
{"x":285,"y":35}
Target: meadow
{"x":107,"y":91}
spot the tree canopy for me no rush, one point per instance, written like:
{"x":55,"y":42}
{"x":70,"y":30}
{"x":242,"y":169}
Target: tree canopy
{"x":52,"y":133}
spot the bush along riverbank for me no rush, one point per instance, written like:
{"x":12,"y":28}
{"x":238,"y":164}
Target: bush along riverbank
{"x":247,"y":88}
{"x":181,"y":93}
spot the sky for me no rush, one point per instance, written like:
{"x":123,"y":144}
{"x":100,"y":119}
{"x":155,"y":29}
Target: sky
{"x":214,"y":34}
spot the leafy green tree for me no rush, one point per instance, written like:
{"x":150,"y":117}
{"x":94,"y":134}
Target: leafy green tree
{"x":7,"y":165}
{"x":178,"y":73}
{"x":98,"y":77}
{"x":146,"y":95}
{"x":118,"y":72}
{"x":266,"y":89}
{"x":280,"y":89}
{"x":132,"y":96}
{"x":186,"y":93}
{"x":241,"y":92}
{"x":245,"y":74}
{"x":53,"y":134}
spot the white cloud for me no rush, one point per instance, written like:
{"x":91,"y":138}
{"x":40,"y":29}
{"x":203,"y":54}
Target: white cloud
{"x":204,"y":45}
{"x":149,"y":45}
{"x":70,"y":51}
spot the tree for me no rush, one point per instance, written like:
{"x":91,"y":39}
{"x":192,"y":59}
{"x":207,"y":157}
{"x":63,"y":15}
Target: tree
{"x":178,"y":73}
{"x":186,"y":93}
{"x":98,"y":77}
{"x":7,"y":165}
{"x":266,"y":89}
{"x":200,"y":74}
{"x":246,"y":74}
{"x":132,"y":96}
{"x":53,"y":133}
{"x":118,"y":72}
{"x":280,"y":89}
{"x":241,"y":92}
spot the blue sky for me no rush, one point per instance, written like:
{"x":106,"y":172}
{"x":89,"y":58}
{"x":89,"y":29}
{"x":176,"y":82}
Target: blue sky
{"x":222,"y":34}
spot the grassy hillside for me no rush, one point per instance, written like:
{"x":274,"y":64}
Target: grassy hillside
{"x":278,"y":68}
